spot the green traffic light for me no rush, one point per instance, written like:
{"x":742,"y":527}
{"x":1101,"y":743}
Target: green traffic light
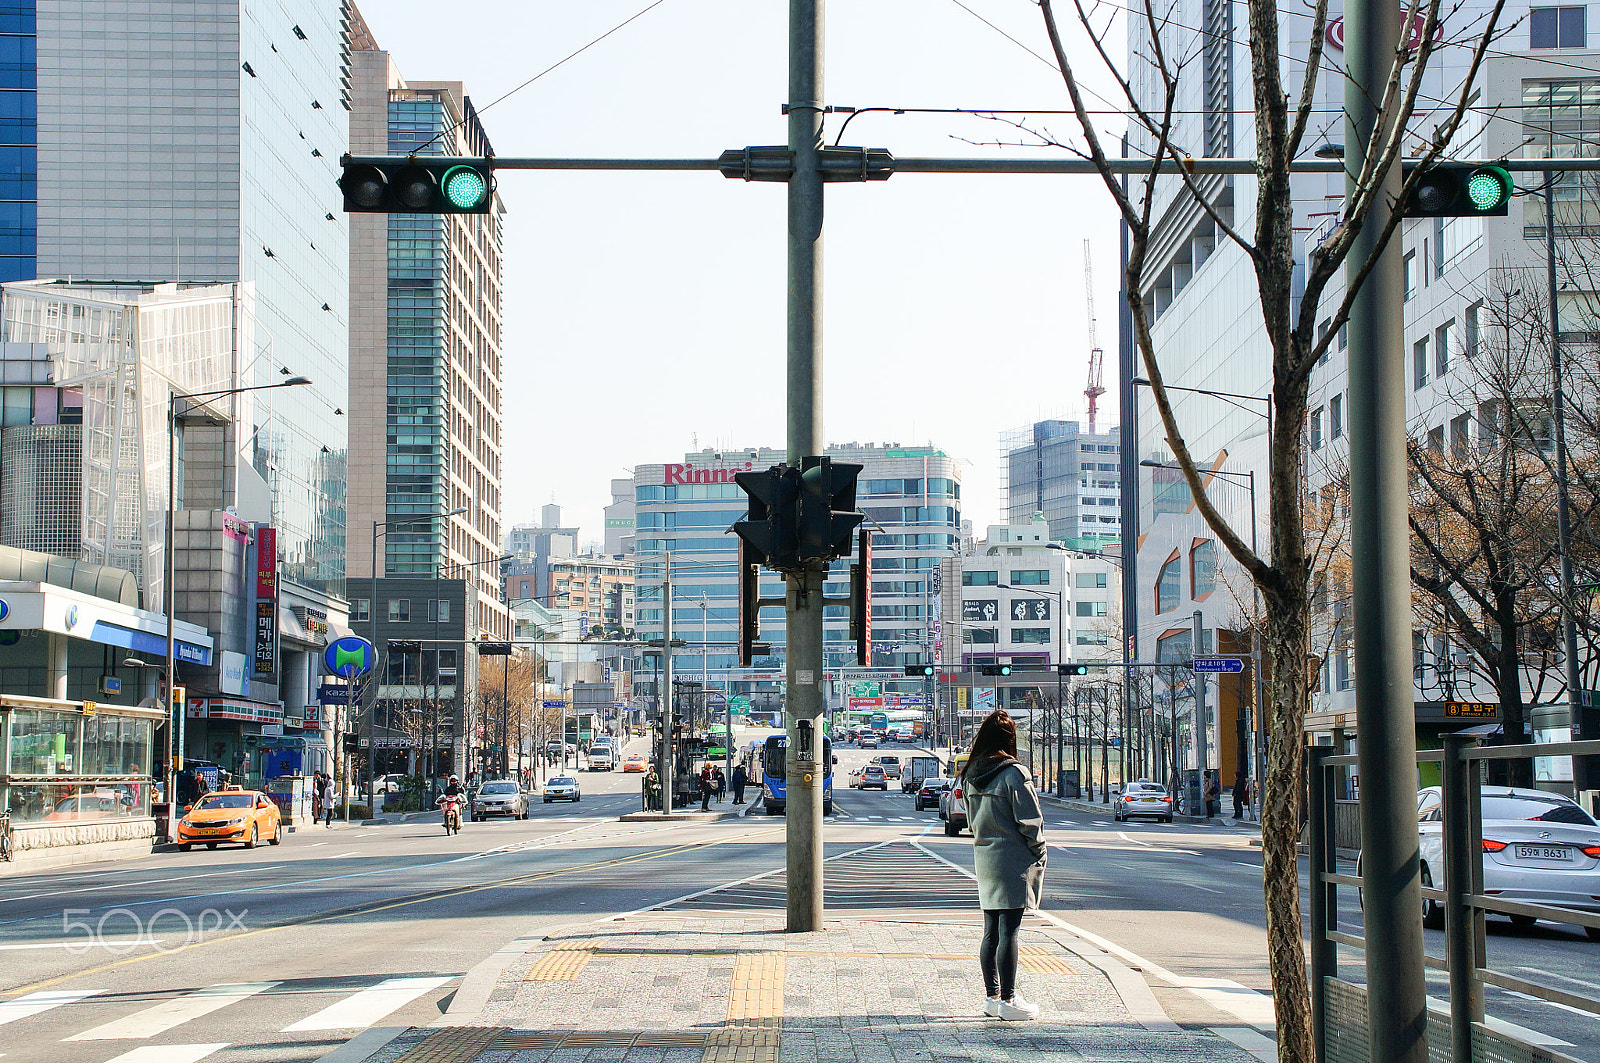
{"x":464,"y":187}
{"x":1489,"y":187}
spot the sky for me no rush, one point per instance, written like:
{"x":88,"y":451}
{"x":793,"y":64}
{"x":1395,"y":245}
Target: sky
{"x":644,"y":312}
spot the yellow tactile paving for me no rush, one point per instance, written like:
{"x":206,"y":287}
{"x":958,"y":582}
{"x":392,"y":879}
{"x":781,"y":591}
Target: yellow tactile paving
{"x":741,"y":1045}
{"x":561,"y":964}
{"x":458,"y":1045}
{"x":1036,"y":959}
{"x":756,"y":994}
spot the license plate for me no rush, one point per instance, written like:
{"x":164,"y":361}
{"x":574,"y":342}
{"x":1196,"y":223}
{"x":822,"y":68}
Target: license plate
{"x":1544,"y":852}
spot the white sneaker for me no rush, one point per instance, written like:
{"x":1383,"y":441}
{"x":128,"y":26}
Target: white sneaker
{"x":1016,"y":1009}
{"x":991,"y":1007}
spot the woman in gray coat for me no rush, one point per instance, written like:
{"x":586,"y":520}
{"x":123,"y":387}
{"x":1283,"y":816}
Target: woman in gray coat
{"x":1009,"y":854}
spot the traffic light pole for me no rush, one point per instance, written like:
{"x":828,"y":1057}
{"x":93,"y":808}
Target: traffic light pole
{"x":669,"y":766}
{"x":803,"y":596}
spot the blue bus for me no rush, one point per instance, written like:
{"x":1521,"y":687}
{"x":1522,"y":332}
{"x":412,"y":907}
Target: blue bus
{"x":773,"y":774}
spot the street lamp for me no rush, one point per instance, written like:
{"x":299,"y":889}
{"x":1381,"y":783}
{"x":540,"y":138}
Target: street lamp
{"x":175,"y":712}
{"x":372,"y":618}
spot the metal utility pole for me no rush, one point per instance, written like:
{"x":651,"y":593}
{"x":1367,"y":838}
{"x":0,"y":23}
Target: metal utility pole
{"x":1196,"y":633}
{"x":803,"y":594}
{"x":1386,"y":717}
{"x":669,"y":767}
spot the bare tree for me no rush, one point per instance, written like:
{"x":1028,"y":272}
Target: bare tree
{"x":1289,"y":317}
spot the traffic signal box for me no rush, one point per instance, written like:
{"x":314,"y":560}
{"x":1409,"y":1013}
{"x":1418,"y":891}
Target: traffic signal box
{"x":798,"y":518}
{"x":1455,"y":190}
{"x":921,"y":671}
{"x":997,"y":669}
{"x":418,"y":186}
{"x":1073,"y":669}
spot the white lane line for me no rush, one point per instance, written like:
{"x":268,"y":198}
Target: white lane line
{"x":1562,"y":977}
{"x":80,"y":943}
{"x":340,"y":856}
{"x":169,"y":1053}
{"x":1549,"y":1003}
{"x":170,"y":1013}
{"x":34,"y":1003}
{"x":1208,"y":889}
{"x":163,"y":880}
{"x":363,"y":1009}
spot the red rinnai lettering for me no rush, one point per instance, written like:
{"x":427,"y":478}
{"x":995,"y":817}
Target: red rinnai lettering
{"x":674,"y":475}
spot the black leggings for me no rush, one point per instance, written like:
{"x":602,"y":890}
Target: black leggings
{"x":998,"y":953}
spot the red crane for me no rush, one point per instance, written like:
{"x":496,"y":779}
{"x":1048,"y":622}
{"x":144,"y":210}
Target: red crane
{"x":1096,"y":355}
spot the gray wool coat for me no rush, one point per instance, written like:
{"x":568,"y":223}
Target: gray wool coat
{"x":1007,"y":834}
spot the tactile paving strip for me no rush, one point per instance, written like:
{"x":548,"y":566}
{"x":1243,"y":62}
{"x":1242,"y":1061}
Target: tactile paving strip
{"x":457,"y":1044}
{"x":561,"y":964}
{"x":1036,"y":959}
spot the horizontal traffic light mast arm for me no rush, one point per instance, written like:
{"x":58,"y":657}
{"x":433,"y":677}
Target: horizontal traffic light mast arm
{"x":937,"y":165}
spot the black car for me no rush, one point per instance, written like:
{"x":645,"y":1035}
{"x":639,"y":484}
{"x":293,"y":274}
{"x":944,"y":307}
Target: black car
{"x":928,"y":795}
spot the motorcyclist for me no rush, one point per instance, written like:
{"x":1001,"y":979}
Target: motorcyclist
{"x":453,"y":791}
{"x":453,"y":788}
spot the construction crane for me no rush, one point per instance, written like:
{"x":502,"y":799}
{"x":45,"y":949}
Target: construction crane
{"x":1096,"y":355}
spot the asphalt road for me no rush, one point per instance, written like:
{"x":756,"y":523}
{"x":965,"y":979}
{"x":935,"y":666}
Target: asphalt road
{"x":281,"y":953}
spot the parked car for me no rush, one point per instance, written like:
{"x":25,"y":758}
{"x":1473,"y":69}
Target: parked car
{"x":243,"y":817}
{"x":1538,"y":848}
{"x":1143,"y":798}
{"x":501,"y":797}
{"x":929,"y":794}
{"x":561,"y":788}
{"x":952,"y":810}
{"x":635,"y":762}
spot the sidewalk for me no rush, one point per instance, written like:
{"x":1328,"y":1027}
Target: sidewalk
{"x":692,"y":989}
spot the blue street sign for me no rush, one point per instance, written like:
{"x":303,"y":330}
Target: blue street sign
{"x":329,"y":694}
{"x":350,"y":656}
{"x":1218,"y":664}
{"x":555,"y":704}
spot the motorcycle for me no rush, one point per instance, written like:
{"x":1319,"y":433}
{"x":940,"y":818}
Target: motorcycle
{"x":451,"y":804}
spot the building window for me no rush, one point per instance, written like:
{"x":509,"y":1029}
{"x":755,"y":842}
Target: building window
{"x":1471,"y":338}
{"x":361,"y":609}
{"x":1091,"y":638}
{"x":1459,"y":433}
{"x":980,"y":636}
{"x":1419,"y":363}
{"x":1316,"y":429}
{"x":1336,"y":416}
{"x":1091,"y":579}
{"x":1037,"y":635}
{"x":1030,"y":577}
{"x":1557,"y":27}
{"x":1436,"y":439}
{"x":1168,"y":585}
{"x":1410,"y":265}
{"x":980,"y":579}
{"x":1091,"y":608}
{"x":1441,"y":348}
{"x":1203,"y":569}
{"x":438,"y":610}
{"x":399,"y":610}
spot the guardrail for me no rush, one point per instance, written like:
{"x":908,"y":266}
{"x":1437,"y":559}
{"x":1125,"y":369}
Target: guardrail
{"x":1338,"y":1007}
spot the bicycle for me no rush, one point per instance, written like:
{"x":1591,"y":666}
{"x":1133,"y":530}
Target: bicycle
{"x":5,"y":836}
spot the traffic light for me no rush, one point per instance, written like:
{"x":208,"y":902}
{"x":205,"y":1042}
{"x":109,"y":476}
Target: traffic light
{"x":921,"y":671}
{"x":1455,"y":190}
{"x":769,"y":528}
{"x":749,"y":607}
{"x":418,"y":186}
{"x":405,"y":646}
{"x":997,"y":669}
{"x":861,"y":598}
{"x":827,"y":508}
{"x":1073,"y":669}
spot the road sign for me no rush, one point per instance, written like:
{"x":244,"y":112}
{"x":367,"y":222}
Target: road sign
{"x":555,"y":704}
{"x":1219,"y":664}
{"x":1471,"y":710}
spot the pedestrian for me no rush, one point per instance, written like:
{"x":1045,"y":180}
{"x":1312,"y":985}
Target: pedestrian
{"x":1008,"y":854}
{"x":1213,"y":795}
{"x":721,"y":781}
{"x":316,"y":796}
{"x":707,"y":788}
{"x":683,"y":786}
{"x":739,"y":780}
{"x":328,"y":798}
{"x":652,"y":791}
{"x":1241,"y":794}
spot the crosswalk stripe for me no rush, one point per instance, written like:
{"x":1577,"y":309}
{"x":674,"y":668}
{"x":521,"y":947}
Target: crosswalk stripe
{"x":368,"y":1006}
{"x":34,"y":1003}
{"x":168,"y":1053}
{"x":169,"y":1013}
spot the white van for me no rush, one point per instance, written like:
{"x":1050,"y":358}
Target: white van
{"x":600,"y":758}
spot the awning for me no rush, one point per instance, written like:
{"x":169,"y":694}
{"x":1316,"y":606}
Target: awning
{"x":148,"y":642}
{"x":234,"y":709}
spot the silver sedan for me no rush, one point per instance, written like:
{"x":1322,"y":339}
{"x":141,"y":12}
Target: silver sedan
{"x":502,"y":798}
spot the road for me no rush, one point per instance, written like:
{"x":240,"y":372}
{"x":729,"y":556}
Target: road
{"x":283,"y":953}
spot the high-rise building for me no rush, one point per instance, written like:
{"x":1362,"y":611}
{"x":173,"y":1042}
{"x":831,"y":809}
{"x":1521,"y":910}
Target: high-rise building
{"x":531,"y":546}
{"x":912,"y":498}
{"x":1070,"y":477}
{"x":199,"y":143}
{"x":425,"y":390}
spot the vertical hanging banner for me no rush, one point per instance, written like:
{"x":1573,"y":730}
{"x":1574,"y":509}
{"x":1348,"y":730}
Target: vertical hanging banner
{"x":264,"y":663}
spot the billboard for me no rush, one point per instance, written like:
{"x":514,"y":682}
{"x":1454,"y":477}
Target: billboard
{"x":264,"y":664}
{"x":980,"y":611}
{"x":1030,"y":609}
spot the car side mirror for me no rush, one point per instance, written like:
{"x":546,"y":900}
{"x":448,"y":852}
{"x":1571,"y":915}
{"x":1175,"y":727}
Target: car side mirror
{"x":187,"y":807}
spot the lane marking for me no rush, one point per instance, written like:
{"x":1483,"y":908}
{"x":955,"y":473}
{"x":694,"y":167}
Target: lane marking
{"x":363,"y":1009}
{"x":34,"y":1003}
{"x":120,"y":885}
{"x":81,"y":943}
{"x":1562,"y":977}
{"x":170,"y":1013}
{"x":1550,"y":1003}
{"x":169,"y":1053}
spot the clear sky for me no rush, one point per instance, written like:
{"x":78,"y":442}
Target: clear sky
{"x":644,"y":312}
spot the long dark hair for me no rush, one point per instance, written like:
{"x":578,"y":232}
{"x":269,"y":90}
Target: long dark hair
{"x":996,"y":737}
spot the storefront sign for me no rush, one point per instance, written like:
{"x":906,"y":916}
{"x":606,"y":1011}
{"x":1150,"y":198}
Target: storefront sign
{"x":349,"y":657}
{"x":235,"y":669}
{"x":229,"y":709}
{"x":265,"y":665}
{"x":332,"y":694}
{"x":311,"y":716}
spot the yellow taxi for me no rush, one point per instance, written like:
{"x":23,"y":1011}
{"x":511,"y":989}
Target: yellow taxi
{"x":636,"y":762}
{"x":247,"y":817}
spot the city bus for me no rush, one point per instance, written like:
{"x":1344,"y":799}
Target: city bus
{"x":773,"y":774}
{"x":716,"y":740}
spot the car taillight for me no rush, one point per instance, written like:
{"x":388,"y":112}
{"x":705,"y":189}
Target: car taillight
{"x":1591,"y":850}
{"x":1492,"y":846}
{"x":1129,"y":797}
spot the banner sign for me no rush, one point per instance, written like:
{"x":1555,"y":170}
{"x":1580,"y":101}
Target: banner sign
{"x":265,"y":658}
{"x":1030,"y":609}
{"x":980,"y":611}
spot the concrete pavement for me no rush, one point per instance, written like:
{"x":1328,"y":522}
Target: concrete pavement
{"x":723,"y":989}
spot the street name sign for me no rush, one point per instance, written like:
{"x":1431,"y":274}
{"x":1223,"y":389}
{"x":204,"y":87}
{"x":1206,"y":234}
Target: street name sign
{"x":1218,"y":664}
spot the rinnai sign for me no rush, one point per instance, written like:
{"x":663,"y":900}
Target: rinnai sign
{"x":1419,"y":22}
{"x":686,"y":473}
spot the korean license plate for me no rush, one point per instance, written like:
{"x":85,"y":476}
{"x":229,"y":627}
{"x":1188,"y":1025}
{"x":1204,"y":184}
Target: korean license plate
{"x":1544,"y":852}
